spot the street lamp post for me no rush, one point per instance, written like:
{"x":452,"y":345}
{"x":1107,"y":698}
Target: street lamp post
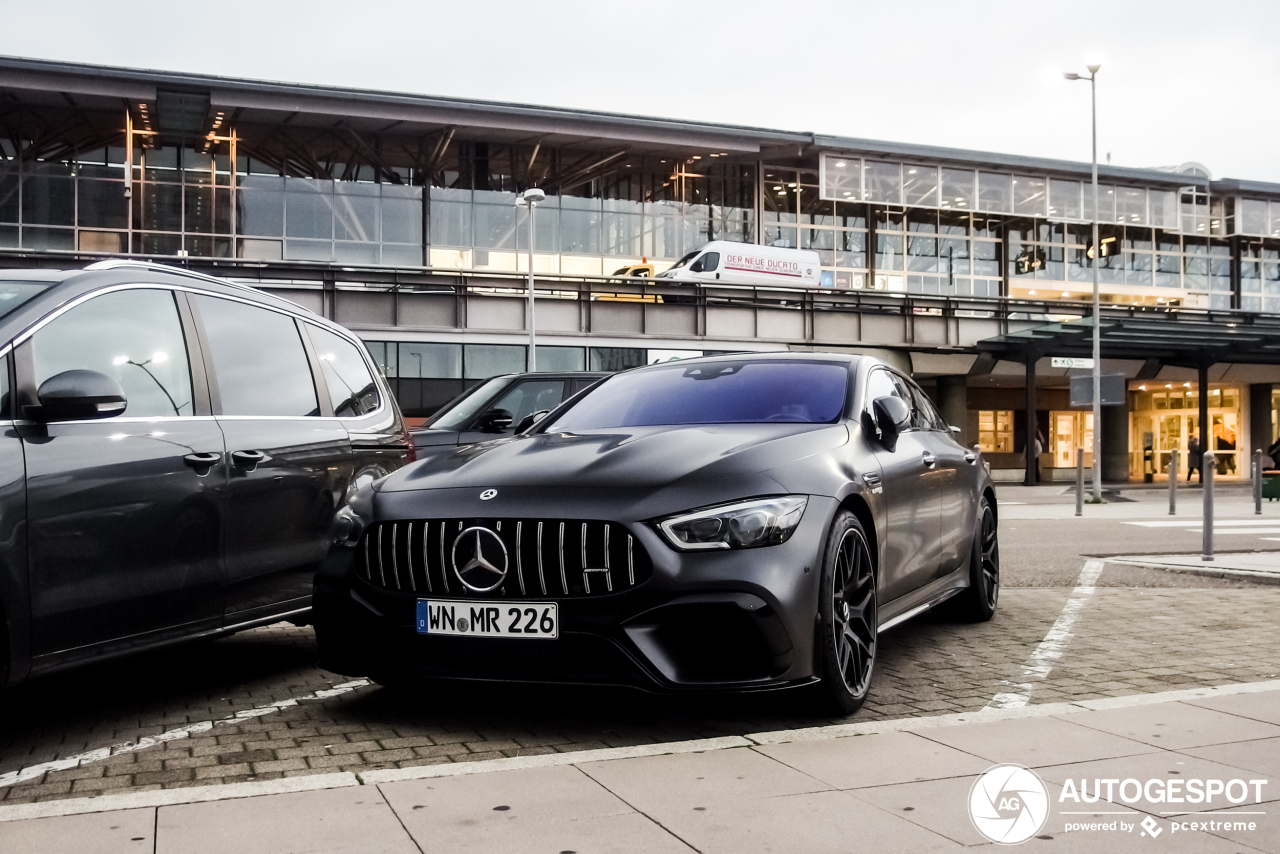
{"x":530,"y":199}
{"x":1097,"y":302}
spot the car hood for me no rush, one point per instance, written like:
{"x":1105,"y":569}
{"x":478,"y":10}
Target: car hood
{"x":641,"y":457}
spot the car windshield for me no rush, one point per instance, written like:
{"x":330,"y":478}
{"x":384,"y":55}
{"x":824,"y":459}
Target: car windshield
{"x":727,"y":392}
{"x":14,"y":294}
{"x":455,"y":414}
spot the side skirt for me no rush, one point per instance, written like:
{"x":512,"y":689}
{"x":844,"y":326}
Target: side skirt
{"x":918,"y":601}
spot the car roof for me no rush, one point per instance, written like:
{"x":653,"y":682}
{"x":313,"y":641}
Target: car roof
{"x":774,"y":356}
{"x":68,"y":285}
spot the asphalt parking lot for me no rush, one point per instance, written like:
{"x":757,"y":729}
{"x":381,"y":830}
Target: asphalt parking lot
{"x":254,"y":707}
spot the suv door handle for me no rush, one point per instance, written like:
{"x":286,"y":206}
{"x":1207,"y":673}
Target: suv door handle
{"x":929,"y":459}
{"x":247,"y":460}
{"x":970,"y":457}
{"x":202,"y":463}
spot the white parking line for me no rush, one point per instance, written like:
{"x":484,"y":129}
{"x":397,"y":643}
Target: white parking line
{"x":1055,"y":642}
{"x":1218,"y":523}
{"x":31,"y":772}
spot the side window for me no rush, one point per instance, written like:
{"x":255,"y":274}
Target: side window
{"x":923,"y":415}
{"x":258,"y":359}
{"x":6,"y":399}
{"x":135,"y":337}
{"x":352,"y":389}
{"x":708,"y":262}
{"x":530,"y":397}
{"x":881,"y":383}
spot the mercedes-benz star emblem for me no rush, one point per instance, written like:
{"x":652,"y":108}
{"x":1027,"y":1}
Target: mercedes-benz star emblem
{"x":488,"y":493}
{"x":480,"y":559}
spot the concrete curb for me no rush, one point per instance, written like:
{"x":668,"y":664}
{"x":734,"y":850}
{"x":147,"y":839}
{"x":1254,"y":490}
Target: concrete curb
{"x":169,"y":797}
{"x":314,"y":782}
{"x":1208,"y":570}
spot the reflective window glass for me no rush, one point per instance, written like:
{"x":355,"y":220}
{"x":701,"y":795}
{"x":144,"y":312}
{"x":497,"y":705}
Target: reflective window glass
{"x":356,"y":212}
{"x":882,"y":182}
{"x":1131,"y":205}
{"x":1251,"y":217}
{"x":842,"y":178}
{"x":562,"y":359}
{"x":995,"y":192}
{"x":957,"y":189}
{"x":352,"y":389}
{"x":258,"y":360}
{"x":1064,"y":199}
{"x":1164,"y":208}
{"x":920,"y":185}
{"x":308,"y":208}
{"x":1106,"y":203}
{"x":435,"y":361}
{"x":487,"y":360}
{"x":134,"y":337}
{"x":1029,"y":195}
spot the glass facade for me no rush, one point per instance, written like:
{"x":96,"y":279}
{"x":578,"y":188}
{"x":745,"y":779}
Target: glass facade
{"x":444,"y":202}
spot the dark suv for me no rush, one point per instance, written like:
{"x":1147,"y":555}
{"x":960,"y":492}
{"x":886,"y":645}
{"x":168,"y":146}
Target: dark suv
{"x":174,"y":448}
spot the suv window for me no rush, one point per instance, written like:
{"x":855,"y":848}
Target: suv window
{"x":352,"y":390}
{"x":135,"y":337}
{"x":530,"y":397}
{"x":258,"y":358}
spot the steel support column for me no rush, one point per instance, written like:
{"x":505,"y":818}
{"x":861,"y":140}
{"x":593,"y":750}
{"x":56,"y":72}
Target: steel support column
{"x":1205,"y":432}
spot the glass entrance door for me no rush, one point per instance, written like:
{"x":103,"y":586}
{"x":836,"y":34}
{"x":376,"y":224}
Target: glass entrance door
{"x":1071,"y":430}
{"x":1167,"y":419}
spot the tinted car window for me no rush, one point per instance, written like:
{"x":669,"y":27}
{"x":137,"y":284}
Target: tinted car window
{"x":351,"y":387}
{"x":455,"y":414}
{"x":530,"y":397}
{"x":261,"y":366}
{"x":924,"y":411}
{"x":134,"y":337}
{"x":881,"y":384}
{"x":714,"y":393}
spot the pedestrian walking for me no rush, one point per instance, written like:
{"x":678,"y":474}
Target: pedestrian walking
{"x":1195,"y":459}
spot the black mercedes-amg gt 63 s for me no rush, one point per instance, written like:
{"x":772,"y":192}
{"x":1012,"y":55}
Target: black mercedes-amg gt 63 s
{"x":726,"y":523}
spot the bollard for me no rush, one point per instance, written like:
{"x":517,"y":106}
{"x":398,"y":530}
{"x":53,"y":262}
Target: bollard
{"x":1206,"y":477}
{"x":1079,"y":481}
{"x":1257,"y":481}
{"x":1173,"y":483}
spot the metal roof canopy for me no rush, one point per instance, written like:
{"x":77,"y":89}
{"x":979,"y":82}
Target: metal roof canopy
{"x":1195,"y":341}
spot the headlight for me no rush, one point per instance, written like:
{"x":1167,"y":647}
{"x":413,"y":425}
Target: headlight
{"x":349,"y":522}
{"x":741,"y":525}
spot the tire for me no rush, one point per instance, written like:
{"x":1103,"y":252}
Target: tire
{"x":977,"y":603}
{"x":847,"y":629}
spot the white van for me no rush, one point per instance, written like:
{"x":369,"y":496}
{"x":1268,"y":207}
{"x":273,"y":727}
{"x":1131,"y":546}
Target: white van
{"x":727,"y":263}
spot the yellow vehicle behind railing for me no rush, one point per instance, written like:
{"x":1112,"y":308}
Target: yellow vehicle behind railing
{"x":643,"y":270}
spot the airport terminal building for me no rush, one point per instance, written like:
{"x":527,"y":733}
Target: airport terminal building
{"x":396,"y":215}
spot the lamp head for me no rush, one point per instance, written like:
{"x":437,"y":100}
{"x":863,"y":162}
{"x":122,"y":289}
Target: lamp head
{"x":1071,"y":75}
{"x":1093,"y":69}
{"x":532,"y":196}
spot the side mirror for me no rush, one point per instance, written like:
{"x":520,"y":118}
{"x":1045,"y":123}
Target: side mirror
{"x":892,"y":416}
{"x":78,"y":396}
{"x":494,"y":421}
{"x":531,"y":419}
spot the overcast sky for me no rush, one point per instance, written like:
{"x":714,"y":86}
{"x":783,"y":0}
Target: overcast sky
{"x":1180,"y":81}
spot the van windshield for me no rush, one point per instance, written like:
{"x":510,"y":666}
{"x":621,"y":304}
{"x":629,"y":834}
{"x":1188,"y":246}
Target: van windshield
{"x":684,"y":261}
{"x":723,"y":392}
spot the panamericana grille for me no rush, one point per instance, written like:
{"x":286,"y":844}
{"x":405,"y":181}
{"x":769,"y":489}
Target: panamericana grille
{"x":545,"y":557}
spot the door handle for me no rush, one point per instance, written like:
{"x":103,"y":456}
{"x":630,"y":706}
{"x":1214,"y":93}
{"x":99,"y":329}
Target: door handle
{"x":970,"y":457}
{"x":929,"y":459}
{"x":202,"y":463}
{"x":247,"y":460}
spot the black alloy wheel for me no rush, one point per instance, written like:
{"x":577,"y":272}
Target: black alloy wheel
{"x":847,"y":611}
{"x":978,"y":602}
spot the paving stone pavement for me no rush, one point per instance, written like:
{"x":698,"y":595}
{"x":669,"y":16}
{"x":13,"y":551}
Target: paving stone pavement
{"x":1128,"y":640}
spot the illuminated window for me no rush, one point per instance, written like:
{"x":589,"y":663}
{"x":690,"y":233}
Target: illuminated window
{"x":995,"y":431}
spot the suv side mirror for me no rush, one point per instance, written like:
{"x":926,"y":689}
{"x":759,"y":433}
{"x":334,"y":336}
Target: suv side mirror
{"x":892,"y":416}
{"x":494,"y":421}
{"x":531,"y":419}
{"x":78,"y":396}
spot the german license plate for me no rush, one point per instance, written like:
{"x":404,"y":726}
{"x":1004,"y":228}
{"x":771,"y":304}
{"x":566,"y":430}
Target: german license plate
{"x":526,"y":620}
